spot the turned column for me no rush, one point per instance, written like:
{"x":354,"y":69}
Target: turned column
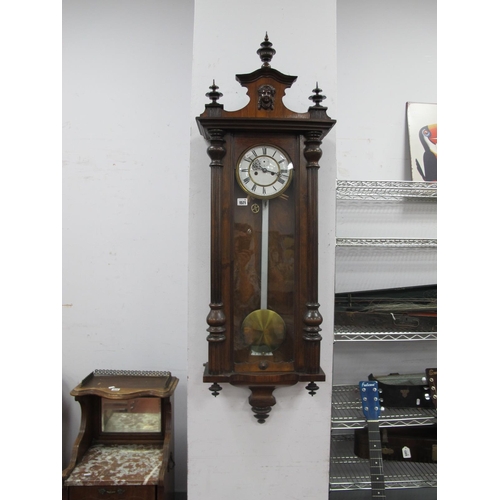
{"x":216,"y":318}
{"x":312,"y":317}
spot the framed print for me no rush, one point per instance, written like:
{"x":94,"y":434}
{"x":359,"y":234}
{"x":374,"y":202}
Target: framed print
{"x":422,"y":134}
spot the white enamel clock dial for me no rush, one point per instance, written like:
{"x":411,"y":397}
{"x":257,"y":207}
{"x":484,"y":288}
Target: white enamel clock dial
{"x":264,"y":171}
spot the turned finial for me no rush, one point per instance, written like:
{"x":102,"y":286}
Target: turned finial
{"x":317,"y":98}
{"x":266,"y":52}
{"x":214,"y":95}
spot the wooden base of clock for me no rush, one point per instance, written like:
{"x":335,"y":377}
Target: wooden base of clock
{"x":262,"y":398}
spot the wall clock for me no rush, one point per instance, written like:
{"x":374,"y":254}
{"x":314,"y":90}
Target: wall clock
{"x":264,"y":320}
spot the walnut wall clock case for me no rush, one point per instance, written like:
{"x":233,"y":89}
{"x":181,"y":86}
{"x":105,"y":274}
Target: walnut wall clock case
{"x":264,"y":320}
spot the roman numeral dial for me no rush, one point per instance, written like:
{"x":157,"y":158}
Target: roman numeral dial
{"x":264,"y":171}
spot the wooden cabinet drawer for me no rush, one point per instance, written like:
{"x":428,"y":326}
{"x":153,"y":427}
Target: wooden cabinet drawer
{"x":112,"y":492}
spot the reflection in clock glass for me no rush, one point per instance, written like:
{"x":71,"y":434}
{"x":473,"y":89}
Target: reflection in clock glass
{"x":263,"y":331}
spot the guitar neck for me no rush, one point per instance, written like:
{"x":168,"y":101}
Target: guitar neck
{"x":376,"y":463}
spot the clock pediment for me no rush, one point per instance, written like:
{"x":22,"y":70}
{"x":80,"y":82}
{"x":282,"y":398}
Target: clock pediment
{"x":266,"y":88}
{"x":266,"y":72}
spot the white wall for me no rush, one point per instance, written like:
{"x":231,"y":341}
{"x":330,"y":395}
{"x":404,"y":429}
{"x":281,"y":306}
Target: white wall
{"x":126,"y":118}
{"x":230,"y":454}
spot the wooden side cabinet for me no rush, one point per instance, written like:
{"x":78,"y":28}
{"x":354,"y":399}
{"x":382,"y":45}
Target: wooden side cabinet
{"x":125,"y":447}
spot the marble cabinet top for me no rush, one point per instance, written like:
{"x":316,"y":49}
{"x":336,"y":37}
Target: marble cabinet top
{"x":118,"y":464}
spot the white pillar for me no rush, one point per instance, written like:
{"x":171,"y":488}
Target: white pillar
{"x":230,"y":455}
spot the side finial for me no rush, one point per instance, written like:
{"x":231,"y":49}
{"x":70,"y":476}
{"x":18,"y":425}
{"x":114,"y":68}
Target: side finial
{"x":266,"y":52}
{"x":214,"y":95}
{"x":318,"y":98}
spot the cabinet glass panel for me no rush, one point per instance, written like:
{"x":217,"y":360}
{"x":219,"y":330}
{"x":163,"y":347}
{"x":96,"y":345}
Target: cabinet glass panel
{"x":131,"y":415}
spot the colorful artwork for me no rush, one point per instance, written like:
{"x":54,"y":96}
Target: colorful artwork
{"x":422,"y":133}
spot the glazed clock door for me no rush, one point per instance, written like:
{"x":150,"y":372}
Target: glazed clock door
{"x":264,"y":257}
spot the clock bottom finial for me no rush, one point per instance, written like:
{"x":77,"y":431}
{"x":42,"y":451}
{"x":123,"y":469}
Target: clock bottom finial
{"x":215,"y":389}
{"x":261,"y":400}
{"x":261,"y":413}
{"x":312,"y":387}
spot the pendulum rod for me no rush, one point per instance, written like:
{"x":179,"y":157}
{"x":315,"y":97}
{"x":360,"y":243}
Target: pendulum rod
{"x":264,"y":261}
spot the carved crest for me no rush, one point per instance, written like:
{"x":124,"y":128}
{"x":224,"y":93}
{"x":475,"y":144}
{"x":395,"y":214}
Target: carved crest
{"x":266,"y":97}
